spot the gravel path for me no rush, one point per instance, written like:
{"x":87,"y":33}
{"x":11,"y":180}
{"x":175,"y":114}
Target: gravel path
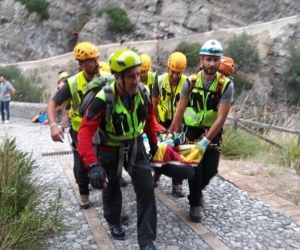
{"x":231,"y":215}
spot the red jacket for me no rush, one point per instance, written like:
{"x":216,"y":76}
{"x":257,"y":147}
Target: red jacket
{"x":94,"y":118}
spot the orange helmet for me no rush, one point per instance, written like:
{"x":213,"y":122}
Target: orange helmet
{"x":177,"y":62}
{"x":104,"y":66}
{"x":146,"y":62}
{"x":85,"y":50}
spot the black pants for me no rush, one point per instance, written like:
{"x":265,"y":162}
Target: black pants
{"x":143,"y":186}
{"x":175,"y":181}
{"x":206,"y":169}
{"x":80,"y":172}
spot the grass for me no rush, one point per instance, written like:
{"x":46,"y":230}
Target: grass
{"x":239,"y":144}
{"x":22,"y":224}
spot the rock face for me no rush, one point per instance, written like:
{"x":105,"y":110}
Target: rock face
{"x":24,"y":36}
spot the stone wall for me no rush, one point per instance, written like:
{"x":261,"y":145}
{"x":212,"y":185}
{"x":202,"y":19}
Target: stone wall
{"x":26,"y":110}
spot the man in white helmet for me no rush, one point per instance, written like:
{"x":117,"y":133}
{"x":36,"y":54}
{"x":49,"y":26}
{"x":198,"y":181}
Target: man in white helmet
{"x":204,"y":105}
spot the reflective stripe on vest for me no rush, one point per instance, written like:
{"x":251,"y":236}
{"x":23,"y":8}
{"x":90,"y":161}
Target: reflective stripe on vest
{"x":123,"y":124}
{"x":150,"y":79}
{"x":78,"y":86}
{"x":168,"y":100}
{"x":197,"y":113}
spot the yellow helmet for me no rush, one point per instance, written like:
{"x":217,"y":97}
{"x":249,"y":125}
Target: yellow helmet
{"x":85,"y":50}
{"x":146,"y":62}
{"x":104,"y":66}
{"x":177,"y":62}
{"x":62,"y":75}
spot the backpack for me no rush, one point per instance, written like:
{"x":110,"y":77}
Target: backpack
{"x":94,"y":88}
{"x":226,"y":66}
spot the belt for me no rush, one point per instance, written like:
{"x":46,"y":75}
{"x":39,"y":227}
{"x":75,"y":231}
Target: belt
{"x":123,"y":150}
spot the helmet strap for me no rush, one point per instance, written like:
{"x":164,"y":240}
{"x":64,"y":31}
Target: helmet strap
{"x":122,"y":86}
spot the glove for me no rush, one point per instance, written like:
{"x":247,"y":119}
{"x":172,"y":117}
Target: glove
{"x":179,"y":138}
{"x":204,"y":143}
{"x":97,"y":176}
{"x":153,"y":149}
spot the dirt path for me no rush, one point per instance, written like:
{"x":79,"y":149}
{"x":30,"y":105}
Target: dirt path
{"x":277,"y":186}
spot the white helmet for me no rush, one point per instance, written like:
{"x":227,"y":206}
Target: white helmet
{"x":212,"y":48}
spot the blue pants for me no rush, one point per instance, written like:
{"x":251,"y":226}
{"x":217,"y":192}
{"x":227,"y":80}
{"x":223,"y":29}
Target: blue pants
{"x":5,"y":106}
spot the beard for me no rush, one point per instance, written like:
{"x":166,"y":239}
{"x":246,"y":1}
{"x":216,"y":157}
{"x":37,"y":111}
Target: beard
{"x":93,"y":71}
{"x":210,"y":71}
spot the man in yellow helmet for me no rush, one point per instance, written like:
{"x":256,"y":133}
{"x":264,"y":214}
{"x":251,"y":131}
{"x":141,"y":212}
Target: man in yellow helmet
{"x":204,"y":109}
{"x":147,"y":77}
{"x":130,"y":116}
{"x":87,"y":56}
{"x":62,"y":114}
{"x":104,"y":67}
{"x":165,"y":96}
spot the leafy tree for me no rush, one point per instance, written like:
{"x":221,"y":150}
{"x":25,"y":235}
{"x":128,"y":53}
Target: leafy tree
{"x":191,"y":51}
{"x":38,"y":6}
{"x":292,"y":75}
{"x":243,"y":49}
{"x":27,"y":88}
{"x":118,"y":19}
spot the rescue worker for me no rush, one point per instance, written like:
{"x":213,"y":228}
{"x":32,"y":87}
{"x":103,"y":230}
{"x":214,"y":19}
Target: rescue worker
{"x":104,"y":69}
{"x":165,"y":97}
{"x":147,"y":77}
{"x":204,"y":105}
{"x":87,"y":56}
{"x":62,"y":114}
{"x":122,"y":145}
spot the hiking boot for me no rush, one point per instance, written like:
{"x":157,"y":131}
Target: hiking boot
{"x":177,"y":191}
{"x":148,"y":247}
{"x":117,"y":231}
{"x":156,"y":178}
{"x":195,"y":213}
{"x":124,"y":217}
{"x":84,"y":201}
{"x":122,"y":182}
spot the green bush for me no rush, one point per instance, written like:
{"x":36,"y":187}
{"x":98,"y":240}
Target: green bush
{"x":22,"y":226}
{"x":292,"y":76}
{"x":240,"y":84}
{"x":243,"y":49}
{"x":38,"y":6}
{"x":191,"y":51}
{"x":118,"y":19}
{"x":27,"y":88}
{"x":238,"y":144}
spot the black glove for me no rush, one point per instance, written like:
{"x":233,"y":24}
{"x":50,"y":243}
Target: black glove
{"x":153,"y":149}
{"x":97,"y":175}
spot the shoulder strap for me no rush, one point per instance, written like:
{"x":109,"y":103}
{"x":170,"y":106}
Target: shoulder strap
{"x":145,"y":94}
{"x":111,"y":98}
{"x":94,"y":87}
{"x":110,"y":101}
{"x":220,"y":84}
